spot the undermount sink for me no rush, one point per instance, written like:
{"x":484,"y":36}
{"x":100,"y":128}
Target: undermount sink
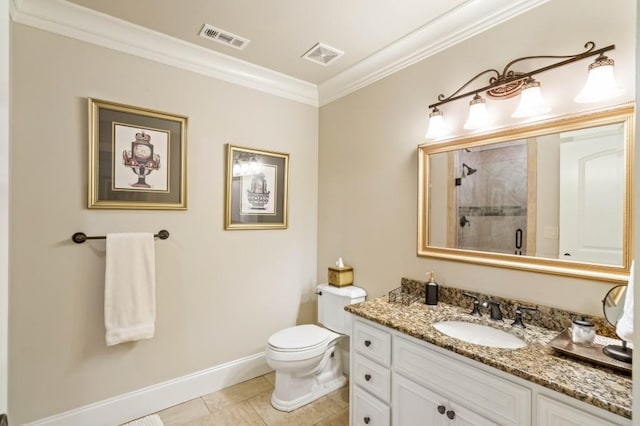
{"x":479,"y":334}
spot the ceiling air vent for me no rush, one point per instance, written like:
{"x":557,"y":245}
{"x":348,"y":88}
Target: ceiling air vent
{"x":223,"y":37}
{"x":322,"y":54}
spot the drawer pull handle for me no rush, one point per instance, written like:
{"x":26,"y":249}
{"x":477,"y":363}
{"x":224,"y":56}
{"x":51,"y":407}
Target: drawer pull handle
{"x":367,"y":420}
{"x":451,"y":414}
{"x":367,"y":377}
{"x":367,"y":343}
{"x":441,"y":409}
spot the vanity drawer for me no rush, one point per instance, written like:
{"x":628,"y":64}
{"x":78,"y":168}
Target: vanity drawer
{"x":375,"y":344}
{"x":368,"y":411}
{"x":371,"y":377}
{"x":496,"y":399}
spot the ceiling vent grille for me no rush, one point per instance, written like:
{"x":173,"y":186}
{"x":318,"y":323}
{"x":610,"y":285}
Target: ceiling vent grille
{"x":322,"y":54}
{"x":223,"y":37}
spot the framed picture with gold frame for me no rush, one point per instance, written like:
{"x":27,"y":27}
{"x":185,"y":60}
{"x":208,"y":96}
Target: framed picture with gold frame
{"x":257,"y":189}
{"x":137,"y":158}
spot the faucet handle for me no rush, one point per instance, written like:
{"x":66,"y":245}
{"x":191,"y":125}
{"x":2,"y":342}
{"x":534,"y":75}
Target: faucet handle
{"x":475,"y":312}
{"x":517,"y":322}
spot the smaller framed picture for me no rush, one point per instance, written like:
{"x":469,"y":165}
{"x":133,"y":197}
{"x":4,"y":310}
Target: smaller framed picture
{"x":257,"y":187}
{"x":137,"y":158}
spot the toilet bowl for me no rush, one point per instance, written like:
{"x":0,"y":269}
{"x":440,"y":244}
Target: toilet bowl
{"x":307,"y":358}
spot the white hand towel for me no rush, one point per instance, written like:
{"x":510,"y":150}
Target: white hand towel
{"x":624,"y":327}
{"x":130,"y":288}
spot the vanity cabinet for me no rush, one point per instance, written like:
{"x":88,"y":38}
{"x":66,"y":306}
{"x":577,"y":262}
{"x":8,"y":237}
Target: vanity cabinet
{"x":402,"y":381}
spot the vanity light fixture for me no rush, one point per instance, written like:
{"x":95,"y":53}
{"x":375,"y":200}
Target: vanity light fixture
{"x":478,"y":115}
{"x":531,"y":101}
{"x":437,"y":128}
{"x":600,"y":85}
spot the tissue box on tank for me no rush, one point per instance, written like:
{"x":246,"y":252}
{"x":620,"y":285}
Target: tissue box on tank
{"x":340,"y":276}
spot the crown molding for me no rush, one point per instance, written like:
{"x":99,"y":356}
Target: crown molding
{"x":455,"y":26}
{"x":71,"y":20}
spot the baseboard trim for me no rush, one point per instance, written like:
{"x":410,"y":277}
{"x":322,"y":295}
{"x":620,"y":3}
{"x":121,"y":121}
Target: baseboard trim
{"x":139,"y":403}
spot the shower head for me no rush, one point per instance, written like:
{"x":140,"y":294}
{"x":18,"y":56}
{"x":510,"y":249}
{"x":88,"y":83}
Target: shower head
{"x":469,"y":170}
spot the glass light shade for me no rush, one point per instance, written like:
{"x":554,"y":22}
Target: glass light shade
{"x":478,"y":116}
{"x":437,"y":127}
{"x":236,"y":167}
{"x":601,"y":83}
{"x":531,"y":101}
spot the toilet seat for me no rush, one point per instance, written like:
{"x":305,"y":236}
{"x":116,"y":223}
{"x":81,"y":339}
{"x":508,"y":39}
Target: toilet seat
{"x":306,"y":336}
{"x":299,"y":342}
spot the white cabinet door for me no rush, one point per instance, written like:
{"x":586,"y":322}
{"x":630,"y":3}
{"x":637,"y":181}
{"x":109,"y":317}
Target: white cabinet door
{"x":556,"y":413}
{"x":415,"y":405}
{"x":461,"y":416}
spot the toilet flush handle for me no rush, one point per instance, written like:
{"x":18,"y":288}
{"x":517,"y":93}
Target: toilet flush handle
{"x":319,"y":293}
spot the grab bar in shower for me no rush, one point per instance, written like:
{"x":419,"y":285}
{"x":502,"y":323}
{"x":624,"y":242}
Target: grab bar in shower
{"x":81,"y":237}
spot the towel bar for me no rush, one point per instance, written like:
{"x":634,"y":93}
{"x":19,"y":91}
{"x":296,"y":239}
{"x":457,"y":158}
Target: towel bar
{"x":81,"y":237}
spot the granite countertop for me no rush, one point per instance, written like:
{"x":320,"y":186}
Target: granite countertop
{"x":537,"y":362}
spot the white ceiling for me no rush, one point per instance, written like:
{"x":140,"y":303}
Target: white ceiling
{"x":378,"y":37}
{"x":281,"y":31}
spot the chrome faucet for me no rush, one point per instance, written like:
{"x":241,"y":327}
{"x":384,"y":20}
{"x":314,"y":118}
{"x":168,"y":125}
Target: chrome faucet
{"x":495,"y":312}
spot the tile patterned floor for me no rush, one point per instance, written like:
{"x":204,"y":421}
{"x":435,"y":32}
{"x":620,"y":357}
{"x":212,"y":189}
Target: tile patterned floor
{"x":248,"y":404}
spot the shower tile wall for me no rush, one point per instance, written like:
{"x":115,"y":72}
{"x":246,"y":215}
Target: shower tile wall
{"x":493,"y":200}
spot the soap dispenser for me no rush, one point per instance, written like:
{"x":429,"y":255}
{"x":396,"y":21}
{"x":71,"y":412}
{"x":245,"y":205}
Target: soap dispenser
{"x":431,"y":291}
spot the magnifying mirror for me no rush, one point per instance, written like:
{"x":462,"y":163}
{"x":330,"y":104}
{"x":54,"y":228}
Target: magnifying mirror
{"x":613,"y":306}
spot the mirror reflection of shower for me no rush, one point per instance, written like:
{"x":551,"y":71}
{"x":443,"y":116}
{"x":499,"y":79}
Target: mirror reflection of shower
{"x":496,"y":207}
{"x":467,"y":171}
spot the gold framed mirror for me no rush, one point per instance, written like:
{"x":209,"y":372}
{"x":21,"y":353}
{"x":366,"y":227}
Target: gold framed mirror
{"x":551,"y":197}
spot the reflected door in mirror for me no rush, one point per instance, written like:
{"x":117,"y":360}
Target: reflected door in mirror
{"x":591,"y":197}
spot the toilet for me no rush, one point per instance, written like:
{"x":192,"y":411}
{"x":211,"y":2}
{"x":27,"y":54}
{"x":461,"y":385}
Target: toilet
{"x":307,"y":358}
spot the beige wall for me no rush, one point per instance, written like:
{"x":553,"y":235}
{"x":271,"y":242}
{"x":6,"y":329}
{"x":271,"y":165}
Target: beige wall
{"x":368,"y":140}
{"x":220,"y":294}
{"x":207,"y":301}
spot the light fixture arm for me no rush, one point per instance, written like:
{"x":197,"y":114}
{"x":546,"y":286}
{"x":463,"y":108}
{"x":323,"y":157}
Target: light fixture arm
{"x":453,"y":96}
{"x":509,"y":76}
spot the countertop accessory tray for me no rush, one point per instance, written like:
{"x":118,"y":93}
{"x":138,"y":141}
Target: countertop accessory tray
{"x":562,"y":343}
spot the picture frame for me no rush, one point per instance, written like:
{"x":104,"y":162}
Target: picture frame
{"x":257,"y":186}
{"x":137,"y":158}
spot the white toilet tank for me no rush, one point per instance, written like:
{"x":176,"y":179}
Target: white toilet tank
{"x":331,"y":303}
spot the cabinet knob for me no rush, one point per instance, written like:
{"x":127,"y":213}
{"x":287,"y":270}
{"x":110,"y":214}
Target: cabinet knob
{"x":451,"y":414}
{"x":441,"y":409}
{"x":367,"y":377}
{"x":366,"y":420}
{"x":367,"y":343}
